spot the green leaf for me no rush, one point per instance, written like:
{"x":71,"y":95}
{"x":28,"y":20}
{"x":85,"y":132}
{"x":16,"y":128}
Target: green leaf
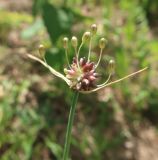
{"x":55,"y":148}
{"x":33,"y":29}
{"x":55,"y":58}
{"x":58,"y":21}
{"x":37,"y":7}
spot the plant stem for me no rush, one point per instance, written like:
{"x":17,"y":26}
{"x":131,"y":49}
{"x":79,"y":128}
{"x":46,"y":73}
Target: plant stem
{"x":69,"y":126}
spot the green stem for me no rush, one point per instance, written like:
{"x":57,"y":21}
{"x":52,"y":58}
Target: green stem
{"x":69,"y":126}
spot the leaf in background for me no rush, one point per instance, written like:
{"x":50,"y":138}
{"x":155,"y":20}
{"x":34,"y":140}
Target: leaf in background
{"x":55,"y":58}
{"x":55,"y":148}
{"x":37,"y":7}
{"x":33,"y":29}
{"x":122,"y":62}
{"x":27,"y":145}
{"x":58,"y":21}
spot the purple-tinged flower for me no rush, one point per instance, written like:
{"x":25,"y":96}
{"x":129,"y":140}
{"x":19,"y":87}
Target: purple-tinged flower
{"x":81,"y":74}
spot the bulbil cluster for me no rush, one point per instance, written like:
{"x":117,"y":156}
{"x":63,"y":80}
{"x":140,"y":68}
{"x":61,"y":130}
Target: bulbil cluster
{"x":82,"y":77}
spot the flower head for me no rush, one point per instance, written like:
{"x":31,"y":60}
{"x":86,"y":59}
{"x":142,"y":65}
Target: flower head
{"x":81,"y":74}
{"x":82,"y":77}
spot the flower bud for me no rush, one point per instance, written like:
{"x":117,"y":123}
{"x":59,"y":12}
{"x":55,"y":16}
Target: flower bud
{"x":86,"y":36}
{"x":111,"y":66}
{"x":41,"y":50}
{"x":65,"y":71}
{"x":102,"y":43}
{"x":65,"y":42}
{"x":74,"y":41}
{"x":93,"y":28}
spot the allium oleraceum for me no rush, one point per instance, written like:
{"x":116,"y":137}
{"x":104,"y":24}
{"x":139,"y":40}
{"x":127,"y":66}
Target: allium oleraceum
{"x":81,"y":74}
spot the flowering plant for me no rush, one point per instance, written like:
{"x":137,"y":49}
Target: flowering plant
{"x":81,"y":74}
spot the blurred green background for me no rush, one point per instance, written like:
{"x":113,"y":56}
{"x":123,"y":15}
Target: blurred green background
{"x":116,"y":123}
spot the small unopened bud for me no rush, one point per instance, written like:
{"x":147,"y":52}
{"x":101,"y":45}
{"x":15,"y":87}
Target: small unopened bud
{"x":111,"y":66}
{"x":102,"y":43}
{"x":65,"y":42}
{"x":65,"y":71}
{"x":41,"y":50}
{"x":86,"y":36}
{"x":74,"y":41}
{"x":93,"y":28}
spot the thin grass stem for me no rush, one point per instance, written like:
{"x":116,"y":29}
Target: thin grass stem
{"x":90,"y":46}
{"x":101,"y":52}
{"x":105,"y":81}
{"x":67,"y":59}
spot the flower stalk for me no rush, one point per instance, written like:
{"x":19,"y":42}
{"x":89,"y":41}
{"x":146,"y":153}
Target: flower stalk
{"x":69,"y":126}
